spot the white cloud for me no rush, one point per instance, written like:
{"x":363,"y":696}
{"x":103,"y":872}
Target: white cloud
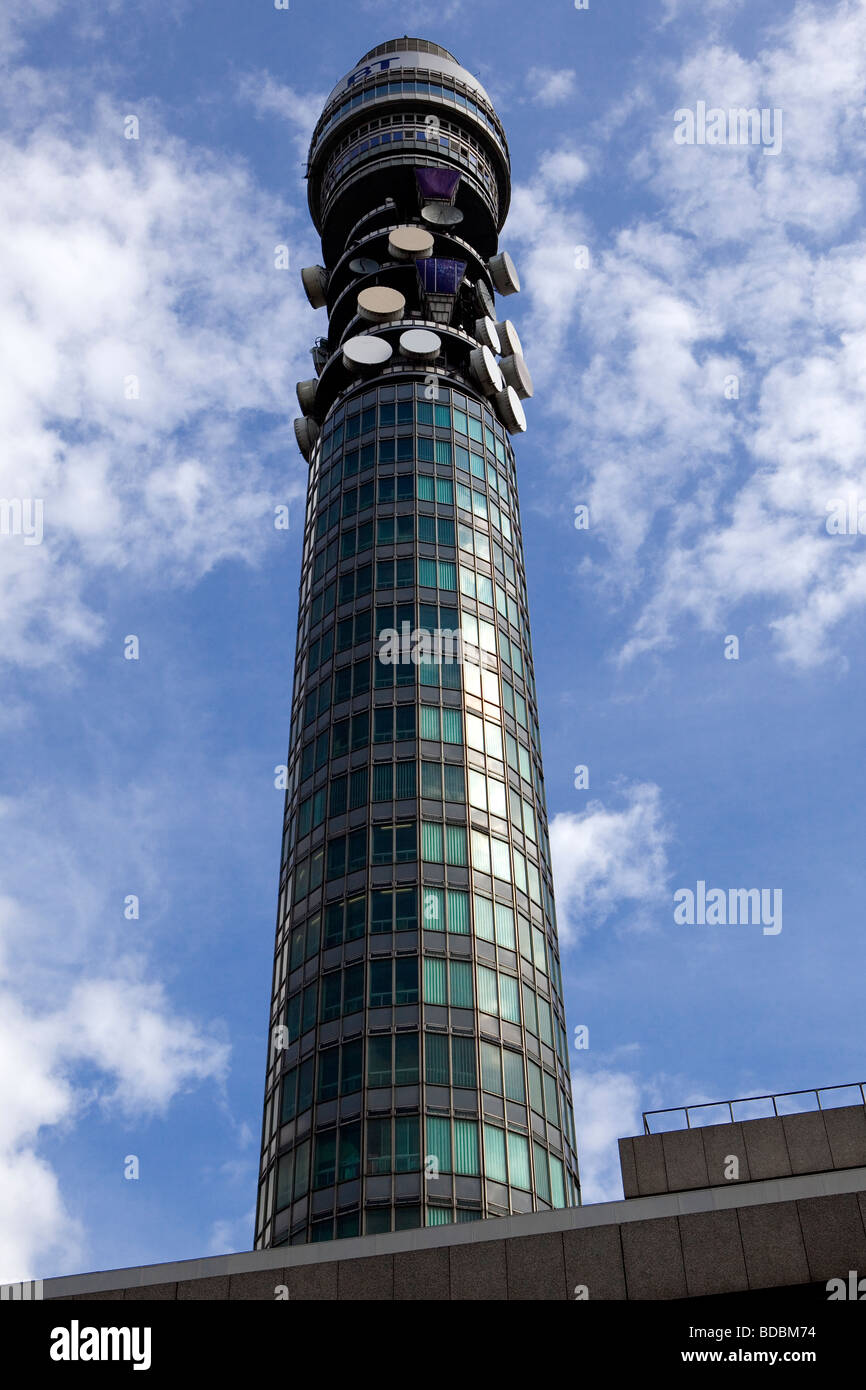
{"x":714,"y":504}
{"x":416,"y":16}
{"x":83,"y":1021}
{"x":34,"y":1219}
{"x":144,"y":1054}
{"x":550,"y":86}
{"x":268,"y":98}
{"x":609,"y":1104}
{"x":229,"y":1237}
{"x":607,"y":1107}
{"x":715,"y":13}
{"x":563,"y":169}
{"x":549,"y":228}
{"x":127,"y":1029}
{"x":137,"y":266}
{"x":604,"y":859}
{"x":18,"y":16}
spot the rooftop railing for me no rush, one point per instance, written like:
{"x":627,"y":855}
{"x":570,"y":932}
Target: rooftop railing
{"x":767,"y":1107}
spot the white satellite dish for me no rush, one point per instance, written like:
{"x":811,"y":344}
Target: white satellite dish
{"x":306,"y":393}
{"x":486,"y":371}
{"x":380,"y":304}
{"x":503,"y":273}
{"x":509,"y":410}
{"x":306,"y":434}
{"x":363,"y":265}
{"x":441,"y":214}
{"x":365,"y":351}
{"x":485,"y":300}
{"x":509,"y":341}
{"x":516,"y":374}
{"x":314,"y":279}
{"x":410,"y":243}
{"x":420,"y":343}
{"x":485,"y":333}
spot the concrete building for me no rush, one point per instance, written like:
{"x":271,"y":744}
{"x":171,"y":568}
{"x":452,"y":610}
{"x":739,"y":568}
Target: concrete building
{"x":793,"y":1220}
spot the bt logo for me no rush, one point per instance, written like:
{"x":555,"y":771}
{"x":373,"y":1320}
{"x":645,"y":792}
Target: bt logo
{"x":382,"y":66}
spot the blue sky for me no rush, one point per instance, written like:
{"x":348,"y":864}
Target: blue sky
{"x":153,"y":258}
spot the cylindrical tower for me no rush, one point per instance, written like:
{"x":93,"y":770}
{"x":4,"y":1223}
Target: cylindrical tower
{"x":417,"y":1069}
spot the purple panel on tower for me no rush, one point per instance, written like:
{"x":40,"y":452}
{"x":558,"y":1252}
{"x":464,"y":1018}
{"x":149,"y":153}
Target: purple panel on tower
{"x":439,"y":276}
{"x":437,"y":185}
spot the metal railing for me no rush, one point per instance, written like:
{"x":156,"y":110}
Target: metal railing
{"x":817,"y":1092}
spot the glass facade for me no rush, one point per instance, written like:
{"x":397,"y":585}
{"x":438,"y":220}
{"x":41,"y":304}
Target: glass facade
{"x":417,"y":1069}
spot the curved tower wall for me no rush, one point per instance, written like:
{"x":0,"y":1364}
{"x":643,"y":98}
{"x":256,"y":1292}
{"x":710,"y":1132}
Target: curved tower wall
{"x":417,"y":1069}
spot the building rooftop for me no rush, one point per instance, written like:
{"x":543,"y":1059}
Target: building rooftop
{"x":407,"y":45}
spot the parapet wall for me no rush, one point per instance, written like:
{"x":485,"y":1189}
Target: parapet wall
{"x":793,"y":1233}
{"x":818,"y":1141}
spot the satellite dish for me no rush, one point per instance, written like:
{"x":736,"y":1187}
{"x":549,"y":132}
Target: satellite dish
{"x":421,"y":343}
{"x":314,"y":278}
{"x":380,"y":304}
{"x":516,"y":374}
{"x":485,"y":300}
{"x":306,"y":393}
{"x":410,"y":243}
{"x":509,"y":410}
{"x":503,"y":273}
{"x":509,"y":342}
{"x":365,"y":351}
{"x":362,"y":265}
{"x":486,"y":334}
{"x":486,"y":371}
{"x":441,"y":214}
{"x":306,"y":434}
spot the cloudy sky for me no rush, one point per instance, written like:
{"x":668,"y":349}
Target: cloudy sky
{"x":694,"y":316}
